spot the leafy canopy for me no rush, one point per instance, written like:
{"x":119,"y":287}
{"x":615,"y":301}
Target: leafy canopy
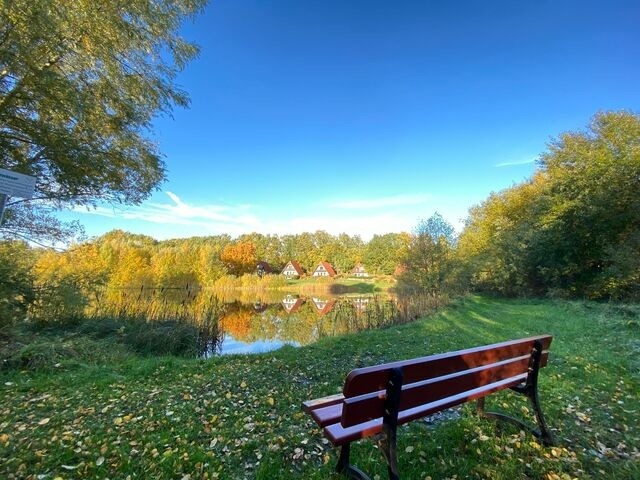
{"x":80,"y":83}
{"x":573,"y":229}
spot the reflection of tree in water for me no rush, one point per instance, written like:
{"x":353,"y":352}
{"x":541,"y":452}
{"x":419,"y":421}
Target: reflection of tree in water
{"x":250,"y":317}
{"x":186,"y":304}
{"x":237,"y":323}
{"x":304,"y":322}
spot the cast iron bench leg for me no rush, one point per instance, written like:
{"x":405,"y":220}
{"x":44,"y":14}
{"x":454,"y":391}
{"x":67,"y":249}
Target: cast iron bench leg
{"x":345,"y":468}
{"x":389,"y":433}
{"x":530,"y":390}
{"x":390,"y":422}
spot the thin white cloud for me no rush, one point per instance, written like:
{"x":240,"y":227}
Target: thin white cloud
{"x":178,"y":213}
{"x":516,"y":162}
{"x":382,"y":202}
{"x":177,"y":218}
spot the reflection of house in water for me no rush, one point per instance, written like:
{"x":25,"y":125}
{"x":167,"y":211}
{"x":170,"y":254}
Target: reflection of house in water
{"x":361,"y":303}
{"x":323,"y":306}
{"x":291,"y":304}
{"x":260,"y":307}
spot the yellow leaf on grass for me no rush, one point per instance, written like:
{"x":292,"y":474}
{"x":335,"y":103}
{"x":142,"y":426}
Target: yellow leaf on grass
{"x":44,"y":421}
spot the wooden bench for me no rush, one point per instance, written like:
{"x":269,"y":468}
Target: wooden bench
{"x":376,"y":399}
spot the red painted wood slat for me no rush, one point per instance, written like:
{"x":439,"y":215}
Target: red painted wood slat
{"x":368,"y":407}
{"x":365,"y":380}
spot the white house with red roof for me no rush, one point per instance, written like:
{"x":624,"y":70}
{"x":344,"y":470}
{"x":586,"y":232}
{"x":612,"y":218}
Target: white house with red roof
{"x":292,"y":269}
{"x":324,"y":269}
{"x":359,"y":271}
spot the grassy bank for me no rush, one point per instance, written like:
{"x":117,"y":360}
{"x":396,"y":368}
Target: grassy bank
{"x":239,"y":417}
{"x":339,"y":286}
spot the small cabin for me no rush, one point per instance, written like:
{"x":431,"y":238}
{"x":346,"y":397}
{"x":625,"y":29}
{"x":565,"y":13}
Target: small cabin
{"x":324,"y":269}
{"x":359,"y":271}
{"x":292,"y":270}
{"x":263,"y":268}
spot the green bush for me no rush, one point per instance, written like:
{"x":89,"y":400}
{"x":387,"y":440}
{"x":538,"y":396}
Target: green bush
{"x":162,"y":338}
{"x":101,"y":327}
{"x":16,"y":281}
{"x":60,"y":301}
{"x":51,"y":353}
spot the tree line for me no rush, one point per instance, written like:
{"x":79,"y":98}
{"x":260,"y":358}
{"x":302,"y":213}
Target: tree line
{"x":571,"y":230}
{"x":47,"y":281}
{"x":80,"y":84}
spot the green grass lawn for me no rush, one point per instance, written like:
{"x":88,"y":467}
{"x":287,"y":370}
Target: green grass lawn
{"x":239,"y":417}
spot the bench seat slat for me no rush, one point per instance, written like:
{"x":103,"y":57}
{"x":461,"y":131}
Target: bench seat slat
{"x":364,"y":380}
{"x":327,"y":415}
{"x":311,"y":405}
{"x":368,"y":407}
{"x":339,"y":435}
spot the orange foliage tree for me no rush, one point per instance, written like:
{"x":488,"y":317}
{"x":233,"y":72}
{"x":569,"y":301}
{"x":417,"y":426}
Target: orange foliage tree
{"x":239,"y":257}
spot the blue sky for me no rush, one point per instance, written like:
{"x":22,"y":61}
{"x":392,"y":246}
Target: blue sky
{"x":366,"y":116}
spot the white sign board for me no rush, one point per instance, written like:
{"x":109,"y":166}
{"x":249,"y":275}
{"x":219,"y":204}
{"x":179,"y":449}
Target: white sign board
{"x":16,"y":184}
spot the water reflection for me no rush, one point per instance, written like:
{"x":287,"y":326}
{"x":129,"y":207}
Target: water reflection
{"x":254,"y":322}
{"x":231,"y":346}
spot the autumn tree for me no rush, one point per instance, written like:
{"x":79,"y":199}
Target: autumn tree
{"x":496,"y":248}
{"x":573,"y":229}
{"x":16,"y":281}
{"x":80,"y":83}
{"x":302,"y":248}
{"x":384,"y":253}
{"x":429,"y":256}
{"x":268,"y":248}
{"x":240,"y":257}
{"x":66,"y":281}
{"x":593,"y":219}
{"x":347,"y":252}
{"x":209,"y":266}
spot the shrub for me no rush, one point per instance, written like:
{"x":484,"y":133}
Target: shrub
{"x":50,"y":353}
{"x":100,"y":327}
{"x":162,"y":338}
{"x":16,"y":282}
{"x":60,"y":301}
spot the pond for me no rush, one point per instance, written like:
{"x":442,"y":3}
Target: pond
{"x":241,"y":322}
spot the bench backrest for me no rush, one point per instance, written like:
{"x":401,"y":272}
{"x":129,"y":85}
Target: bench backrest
{"x":440,"y":381}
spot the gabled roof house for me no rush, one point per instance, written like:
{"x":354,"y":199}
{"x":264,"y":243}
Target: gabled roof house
{"x":292,"y":269}
{"x":324,"y":269}
{"x":263,"y":268}
{"x":359,"y":271}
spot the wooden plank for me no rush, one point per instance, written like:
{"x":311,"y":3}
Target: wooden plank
{"x":365,"y":380}
{"x":310,"y":405}
{"x":340,"y":435}
{"x":370,"y":406}
{"x":327,"y":415}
